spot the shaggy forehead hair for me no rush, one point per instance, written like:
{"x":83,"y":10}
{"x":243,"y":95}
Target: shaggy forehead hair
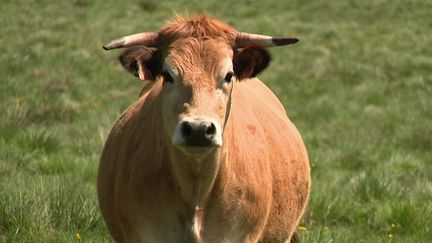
{"x":197,"y":27}
{"x":198,"y":55}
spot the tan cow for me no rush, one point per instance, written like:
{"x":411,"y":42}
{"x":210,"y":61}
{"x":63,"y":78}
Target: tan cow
{"x":207,"y":152}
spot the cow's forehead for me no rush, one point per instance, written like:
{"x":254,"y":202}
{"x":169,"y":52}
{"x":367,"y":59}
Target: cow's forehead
{"x":198,"y":55}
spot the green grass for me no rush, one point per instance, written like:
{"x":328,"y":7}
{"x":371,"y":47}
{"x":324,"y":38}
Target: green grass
{"x":358,"y":86}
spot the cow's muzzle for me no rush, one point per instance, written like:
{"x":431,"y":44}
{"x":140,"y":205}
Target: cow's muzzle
{"x":198,"y":133}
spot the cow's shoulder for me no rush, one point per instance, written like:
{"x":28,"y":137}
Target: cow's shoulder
{"x":135,"y":139}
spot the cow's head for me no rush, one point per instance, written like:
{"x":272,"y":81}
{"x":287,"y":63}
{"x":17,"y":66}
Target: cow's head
{"x":198,"y":62}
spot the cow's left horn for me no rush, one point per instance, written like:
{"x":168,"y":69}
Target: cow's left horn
{"x":145,"y":39}
{"x":246,"y":39}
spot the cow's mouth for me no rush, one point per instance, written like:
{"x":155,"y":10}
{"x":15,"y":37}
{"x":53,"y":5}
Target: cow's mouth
{"x":196,"y":150}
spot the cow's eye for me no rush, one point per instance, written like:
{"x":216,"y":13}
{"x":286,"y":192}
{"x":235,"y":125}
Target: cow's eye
{"x":167,"y":78}
{"x":228,"y":77}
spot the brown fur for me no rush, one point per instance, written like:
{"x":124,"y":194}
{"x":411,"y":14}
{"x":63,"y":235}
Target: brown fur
{"x":253,"y":188}
{"x":197,"y":27}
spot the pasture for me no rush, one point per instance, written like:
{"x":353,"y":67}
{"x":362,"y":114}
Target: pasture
{"x":358,"y":86}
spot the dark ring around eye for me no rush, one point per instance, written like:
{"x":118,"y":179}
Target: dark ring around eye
{"x":228,"y":77}
{"x":167,"y":78}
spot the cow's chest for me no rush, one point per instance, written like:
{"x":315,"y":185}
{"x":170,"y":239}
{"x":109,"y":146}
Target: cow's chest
{"x":170,"y":221}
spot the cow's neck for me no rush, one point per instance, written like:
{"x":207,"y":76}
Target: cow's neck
{"x":195,"y":177}
{"x":195,"y":180}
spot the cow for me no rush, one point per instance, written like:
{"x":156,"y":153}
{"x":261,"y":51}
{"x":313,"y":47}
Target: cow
{"x":207,"y":152}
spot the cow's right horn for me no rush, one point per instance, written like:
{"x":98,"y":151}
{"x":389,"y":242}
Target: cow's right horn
{"x":144,"y":39}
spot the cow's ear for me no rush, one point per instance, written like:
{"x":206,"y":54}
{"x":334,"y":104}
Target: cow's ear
{"x":250,"y":61}
{"x":141,"y":61}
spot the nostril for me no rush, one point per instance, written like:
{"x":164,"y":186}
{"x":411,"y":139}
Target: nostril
{"x":186,"y":129}
{"x":210,"y":130}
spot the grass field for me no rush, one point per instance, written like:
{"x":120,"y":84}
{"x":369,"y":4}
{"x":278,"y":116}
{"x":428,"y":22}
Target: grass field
{"x":358,"y":86}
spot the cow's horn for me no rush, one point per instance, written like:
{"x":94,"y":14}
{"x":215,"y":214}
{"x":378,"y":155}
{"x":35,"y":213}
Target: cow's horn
{"x":246,"y":39}
{"x":144,"y":39}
